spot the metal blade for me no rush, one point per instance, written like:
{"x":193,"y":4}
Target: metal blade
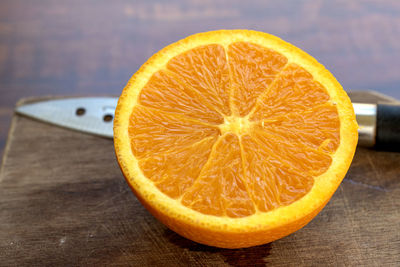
{"x":92,"y":115}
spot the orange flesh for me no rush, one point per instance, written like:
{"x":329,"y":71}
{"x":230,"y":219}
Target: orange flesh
{"x":231,"y":132}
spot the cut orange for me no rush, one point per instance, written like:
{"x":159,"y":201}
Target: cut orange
{"x":234,"y":138}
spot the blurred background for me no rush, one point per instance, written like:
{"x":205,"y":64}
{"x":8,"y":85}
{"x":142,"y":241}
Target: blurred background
{"x":92,"y":47}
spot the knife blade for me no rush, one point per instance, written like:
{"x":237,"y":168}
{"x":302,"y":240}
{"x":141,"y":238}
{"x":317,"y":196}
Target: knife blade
{"x":93,"y":115}
{"x":379,"y":124}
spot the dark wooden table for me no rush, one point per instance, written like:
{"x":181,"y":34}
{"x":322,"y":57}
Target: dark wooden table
{"x":92,"y":47}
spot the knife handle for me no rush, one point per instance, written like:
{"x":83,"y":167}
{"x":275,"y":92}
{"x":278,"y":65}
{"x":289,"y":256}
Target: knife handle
{"x":388,"y":127}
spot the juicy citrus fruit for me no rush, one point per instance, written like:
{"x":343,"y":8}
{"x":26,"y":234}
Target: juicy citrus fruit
{"x":234,"y":138}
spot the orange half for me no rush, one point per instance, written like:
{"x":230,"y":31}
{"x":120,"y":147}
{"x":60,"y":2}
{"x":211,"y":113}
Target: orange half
{"x":234,"y":138}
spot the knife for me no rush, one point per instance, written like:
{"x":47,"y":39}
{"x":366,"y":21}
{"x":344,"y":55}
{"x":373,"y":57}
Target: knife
{"x":379,"y":124}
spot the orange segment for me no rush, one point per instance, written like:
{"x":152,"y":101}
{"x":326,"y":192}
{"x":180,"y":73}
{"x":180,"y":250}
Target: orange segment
{"x":164,"y":92}
{"x":205,"y":70}
{"x":292,"y":184}
{"x":271,"y":183}
{"x":253,"y":68}
{"x":220,"y":189}
{"x":294,"y":90}
{"x":174,"y":172}
{"x":293,"y":155}
{"x":317,"y":128}
{"x":259,"y":176}
{"x":154,"y":132}
{"x":234,"y":138}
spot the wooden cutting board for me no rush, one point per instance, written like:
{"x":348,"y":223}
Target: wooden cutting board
{"x":64,"y":201}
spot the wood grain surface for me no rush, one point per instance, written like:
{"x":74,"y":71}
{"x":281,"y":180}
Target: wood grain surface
{"x":64,"y":202}
{"x":92,"y":47}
